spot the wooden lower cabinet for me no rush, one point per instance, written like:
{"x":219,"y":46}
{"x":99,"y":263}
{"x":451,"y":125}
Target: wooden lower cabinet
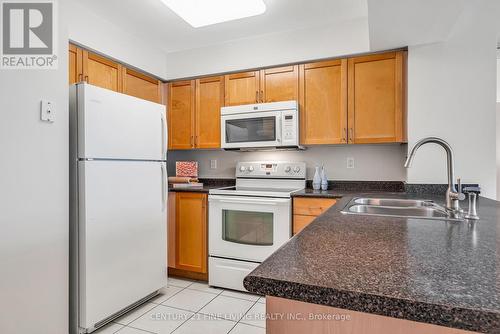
{"x":305,"y":210}
{"x":187,"y":239}
{"x":358,"y":323}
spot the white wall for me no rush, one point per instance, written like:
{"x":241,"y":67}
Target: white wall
{"x":96,"y":33}
{"x":498,"y":150}
{"x":371,"y":162}
{"x":451,"y":94}
{"x":279,"y":48}
{"x":498,"y":76}
{"x":498,"y":124}
{"x":34,"y":199}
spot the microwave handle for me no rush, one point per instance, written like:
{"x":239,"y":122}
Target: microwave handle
{"x":279,"y":127}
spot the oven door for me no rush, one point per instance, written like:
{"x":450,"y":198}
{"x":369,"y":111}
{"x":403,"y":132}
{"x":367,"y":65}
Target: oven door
{"x":255,"y":129}
{"x":248,"y":228}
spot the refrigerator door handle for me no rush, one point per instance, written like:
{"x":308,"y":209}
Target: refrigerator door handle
{"x":163,"y":144}
{"x":163,"y":188}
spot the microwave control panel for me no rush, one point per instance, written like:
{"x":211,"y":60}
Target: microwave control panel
{"x":290,"y":128}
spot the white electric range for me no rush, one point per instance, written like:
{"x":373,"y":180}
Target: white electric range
{"x":251,"y":220}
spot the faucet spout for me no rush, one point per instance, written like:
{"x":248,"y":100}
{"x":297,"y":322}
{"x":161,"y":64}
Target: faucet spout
{"x":452,"y":195}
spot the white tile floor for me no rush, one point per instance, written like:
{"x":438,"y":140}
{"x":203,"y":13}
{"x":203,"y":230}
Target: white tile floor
{"x":191,"y":307}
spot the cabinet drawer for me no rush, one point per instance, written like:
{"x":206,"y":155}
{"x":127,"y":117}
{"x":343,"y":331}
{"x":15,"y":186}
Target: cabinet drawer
{"x":300,"y":221}
{"x":311,"y":206}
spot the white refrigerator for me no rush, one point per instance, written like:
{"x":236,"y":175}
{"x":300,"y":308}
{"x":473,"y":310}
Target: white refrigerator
{"x":118,"y":200}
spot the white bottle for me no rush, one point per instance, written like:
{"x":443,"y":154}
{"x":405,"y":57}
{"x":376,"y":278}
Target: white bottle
{"x":317,"y":179}
{"x":324,"y":180}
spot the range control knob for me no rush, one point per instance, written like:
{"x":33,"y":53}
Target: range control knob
{"x":250,"y":168}
{"x":242,"y":168}
{"x":296,"y":169}
{"x":288,"y":169}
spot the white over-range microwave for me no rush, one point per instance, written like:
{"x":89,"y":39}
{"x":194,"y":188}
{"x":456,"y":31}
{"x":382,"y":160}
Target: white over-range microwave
{"x":263,"y":125}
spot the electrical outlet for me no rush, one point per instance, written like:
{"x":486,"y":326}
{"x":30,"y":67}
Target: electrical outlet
{"x":47,"y":112}
{"x":213,"y":164}
{"x":350,"y":162}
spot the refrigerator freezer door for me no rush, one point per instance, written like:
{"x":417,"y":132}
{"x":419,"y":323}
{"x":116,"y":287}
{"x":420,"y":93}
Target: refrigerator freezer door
{"x":122,"y":235}
{"x":117,"y":126}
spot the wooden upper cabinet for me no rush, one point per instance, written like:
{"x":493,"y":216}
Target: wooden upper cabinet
{"x":323,"y":102}
{"x":102,"y":72}
{"x":141,"y":86}
{"x":279,"y":84}
{"x":242,"y":88}
{"x":377,"y":105}
{"x":75,"y":64}
{"x":191,"y":231}
{"x":209,"y":100}
{"x":181,"y":112}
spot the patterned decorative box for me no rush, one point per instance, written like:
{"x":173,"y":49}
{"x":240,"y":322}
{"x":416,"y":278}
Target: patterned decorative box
{"x":186,"y":168}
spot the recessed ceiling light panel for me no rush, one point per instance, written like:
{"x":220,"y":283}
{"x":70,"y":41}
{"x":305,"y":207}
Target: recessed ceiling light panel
{"x":200,"y":13}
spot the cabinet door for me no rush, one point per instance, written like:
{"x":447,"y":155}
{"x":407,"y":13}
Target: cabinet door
{"x":181,"y":115}
{"x":75,"y":64}
{"x":209,"y":100}
{"x":279,"y":84}
{"x":242,"y":88}
{"x":323,"y":102}
{"x":376,"y":98}
{"x":102,"y":72}
{"x":171,"y":248}
{"x":191,"y":232}
{"x":300,"y":221}
{"x":141,"y":86}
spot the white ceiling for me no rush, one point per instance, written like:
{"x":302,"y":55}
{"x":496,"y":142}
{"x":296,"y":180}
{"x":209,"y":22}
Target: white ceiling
{"x":154,"y":22}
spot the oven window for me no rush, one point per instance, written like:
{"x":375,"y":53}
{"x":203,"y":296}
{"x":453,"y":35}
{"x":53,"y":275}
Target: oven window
{"x":247,"y":227}
{"x":251,"y":129}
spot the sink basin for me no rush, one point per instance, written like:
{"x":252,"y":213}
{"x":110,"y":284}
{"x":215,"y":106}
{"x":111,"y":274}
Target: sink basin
{"x":405,"y":208}
{"x":393,"y":202}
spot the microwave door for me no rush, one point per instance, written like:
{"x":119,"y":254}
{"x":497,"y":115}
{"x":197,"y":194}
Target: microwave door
{"x":257,"y":129}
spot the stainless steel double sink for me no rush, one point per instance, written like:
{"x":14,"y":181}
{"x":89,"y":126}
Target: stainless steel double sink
{"x":406,"y":208}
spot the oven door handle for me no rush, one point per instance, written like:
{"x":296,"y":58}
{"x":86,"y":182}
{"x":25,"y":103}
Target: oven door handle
{"x":244,"y":200}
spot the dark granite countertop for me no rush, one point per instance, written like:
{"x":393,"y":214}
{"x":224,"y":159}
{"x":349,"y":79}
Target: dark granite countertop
{"x":431,"y":271}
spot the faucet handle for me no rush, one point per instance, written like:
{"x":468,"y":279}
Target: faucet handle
{"x":460,"y":195}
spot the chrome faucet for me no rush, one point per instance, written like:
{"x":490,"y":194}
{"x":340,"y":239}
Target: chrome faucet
{"x":452,"y":195}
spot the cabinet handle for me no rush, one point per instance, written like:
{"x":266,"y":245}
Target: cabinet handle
{"x":256,"y":96}
{"x":261,"y":96}
{"x":80,"y":77}
{"x":344,"y":138}
{"x":86,"y":79}
{"x":192,"y":141}
{"x":351,"y":135}
{"x":196,"y":140}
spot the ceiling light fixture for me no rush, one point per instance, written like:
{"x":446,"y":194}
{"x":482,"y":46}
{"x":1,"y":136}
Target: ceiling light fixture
{"x":200,"y":13}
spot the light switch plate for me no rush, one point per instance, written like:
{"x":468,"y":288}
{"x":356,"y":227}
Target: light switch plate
{"x":350,"y":162}
{"x":213,"y":164}
{"x":47,"y":111}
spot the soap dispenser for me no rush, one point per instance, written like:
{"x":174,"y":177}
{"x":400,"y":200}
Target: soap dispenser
{"x":317,"y":179}
{"x":324,"y":180}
